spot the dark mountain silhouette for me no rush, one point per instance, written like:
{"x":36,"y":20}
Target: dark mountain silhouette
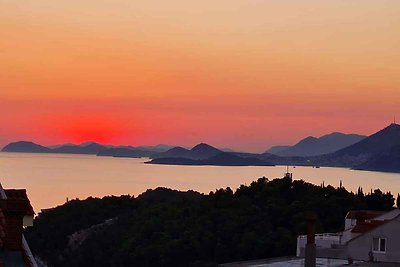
{"x":203,"y":150}
{"x":87,"y":143}
{"x":134,"y":152}
{"x":359,"y":153}
{"x":222,"y":159}
{"x":388,"y":161}
{"x":229,"y":159}
{"x":29,"y":147}
{"x":125,"y":152}
{"x":376,"y":148}
{"x":176,"y":152}
{"x":276,"y":149}
{"x":87,"y":148}
{"x":156,"y":148}
{"x":250,"y":155}
{"x":25,"y":146}
{"x":379,"y":151}
{"x":312,"y":146}
{"x":174,"y":161}
{"x":227,"y":149}
{"x":60,"y":145}
{"x":274,"y":159}
{"x":374,"y":144}
{"x":200,"y":151}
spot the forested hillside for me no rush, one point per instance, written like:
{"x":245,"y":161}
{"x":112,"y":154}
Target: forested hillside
{"x":164,"y":227}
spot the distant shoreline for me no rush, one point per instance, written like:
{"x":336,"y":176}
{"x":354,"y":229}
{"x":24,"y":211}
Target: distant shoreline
{"x":377,"y":152}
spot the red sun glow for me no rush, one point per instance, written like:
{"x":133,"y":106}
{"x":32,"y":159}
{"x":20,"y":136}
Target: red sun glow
{"x":90,"y":128}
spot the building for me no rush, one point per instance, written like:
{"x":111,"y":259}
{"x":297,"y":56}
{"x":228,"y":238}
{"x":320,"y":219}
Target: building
{"x":16,"y":213}
{"x":368,"y":236}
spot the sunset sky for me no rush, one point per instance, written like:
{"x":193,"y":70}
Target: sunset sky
{"x":245,"y":74}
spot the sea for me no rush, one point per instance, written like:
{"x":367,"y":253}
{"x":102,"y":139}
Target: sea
{"x":52,"y":179}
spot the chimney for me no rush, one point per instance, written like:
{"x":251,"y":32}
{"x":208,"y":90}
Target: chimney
{"x":311,"y":251}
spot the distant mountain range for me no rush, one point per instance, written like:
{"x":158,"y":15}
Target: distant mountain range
{"x":88,"y":148}
{"x":277,"y":149}
{"x":125,"y":152}
{"x":387,"y":161}
{"x":312,"y":146}
{"x":371,"y":149}
{"x":365,"y":154}
{"x":378,"y":152}
{"x":198,"y":152}
{"x":27,"y":147}
{"x":221,"y":159}
{"x":377,"y":143}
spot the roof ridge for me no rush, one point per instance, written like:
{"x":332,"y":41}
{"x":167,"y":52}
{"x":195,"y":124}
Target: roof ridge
{"x":384,"y":223}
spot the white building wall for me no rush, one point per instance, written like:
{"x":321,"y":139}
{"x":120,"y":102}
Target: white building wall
{"x":321,"y":241}
{"x":360,"y":247}
{"x":349,"y":223}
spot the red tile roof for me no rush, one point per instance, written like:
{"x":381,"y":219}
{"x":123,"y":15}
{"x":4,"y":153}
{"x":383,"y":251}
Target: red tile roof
{"x":363,"y":214}
{"x":14,"y":201}
{"x":363,"y":227}
{"x":20,"y":194}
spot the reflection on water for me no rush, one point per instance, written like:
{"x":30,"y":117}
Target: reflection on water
{"x":51,"y":178}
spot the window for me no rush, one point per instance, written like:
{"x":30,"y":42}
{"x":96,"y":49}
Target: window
{"x":382,"y":246}
{"x":379,"y":244}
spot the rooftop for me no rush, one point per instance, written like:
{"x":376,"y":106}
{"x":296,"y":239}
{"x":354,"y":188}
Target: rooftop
{"x":286,"y":262}
{"x":363,"y":214}
{"x":299,"y":262}
{"x":14,"y":208}
{"x":364,"y":227}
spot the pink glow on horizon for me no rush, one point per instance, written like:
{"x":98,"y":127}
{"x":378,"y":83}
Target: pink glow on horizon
{"x":232,"y":73}
{"x":254,"y":128}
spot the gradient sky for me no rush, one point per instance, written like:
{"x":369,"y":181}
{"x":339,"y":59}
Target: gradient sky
{"x":244,"y":74}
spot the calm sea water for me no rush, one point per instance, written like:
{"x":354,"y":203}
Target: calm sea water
{"x":51,"y":178}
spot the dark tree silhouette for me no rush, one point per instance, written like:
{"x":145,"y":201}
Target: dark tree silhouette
{"x":164,"y":227}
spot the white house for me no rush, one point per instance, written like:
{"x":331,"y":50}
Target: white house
{"x":367,"y":235}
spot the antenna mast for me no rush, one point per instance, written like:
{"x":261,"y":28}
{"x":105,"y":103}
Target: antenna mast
{"x":288,"y":174}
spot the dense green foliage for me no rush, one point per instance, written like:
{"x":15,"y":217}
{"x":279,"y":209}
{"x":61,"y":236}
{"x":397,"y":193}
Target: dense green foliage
{"x":163,"y":227}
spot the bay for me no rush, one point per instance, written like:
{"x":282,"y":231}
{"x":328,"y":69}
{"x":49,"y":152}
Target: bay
{"x":52,"y":178}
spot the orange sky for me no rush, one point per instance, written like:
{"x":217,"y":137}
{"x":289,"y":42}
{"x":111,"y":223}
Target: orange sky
{"x":243,"y":74}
